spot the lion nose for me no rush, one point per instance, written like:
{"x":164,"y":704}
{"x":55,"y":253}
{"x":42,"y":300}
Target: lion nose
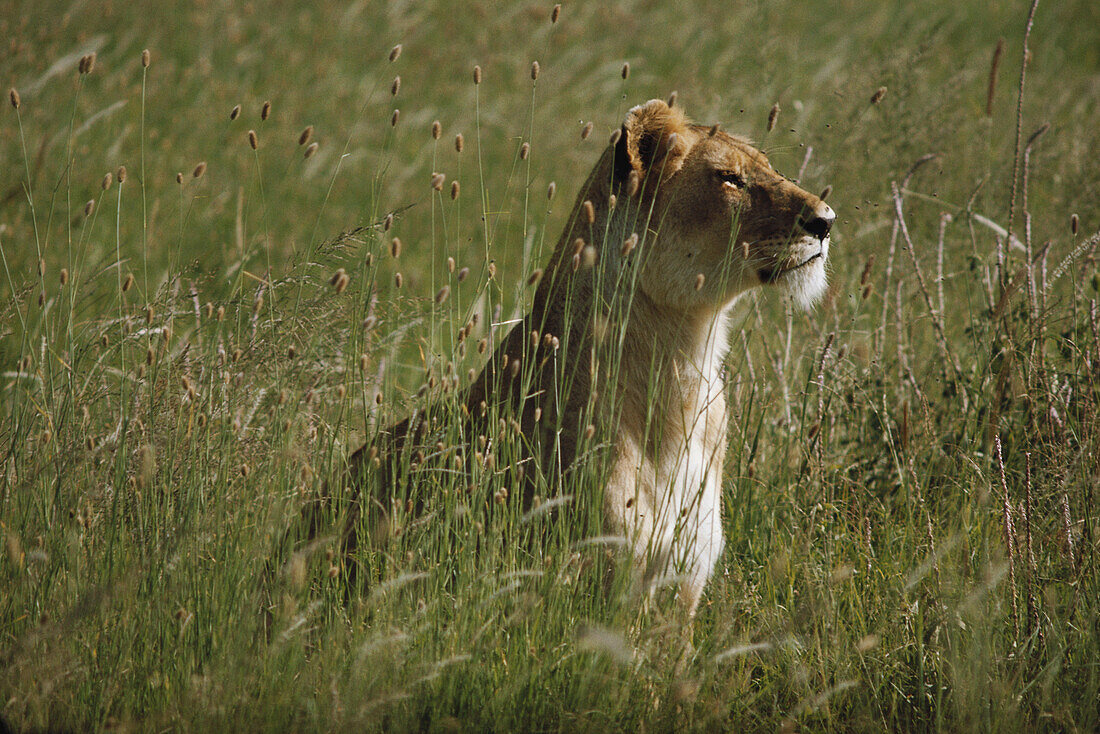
{"x":819,"y":222}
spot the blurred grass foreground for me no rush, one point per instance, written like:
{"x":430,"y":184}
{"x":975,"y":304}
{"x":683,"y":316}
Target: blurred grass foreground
{"x":237,"y":238}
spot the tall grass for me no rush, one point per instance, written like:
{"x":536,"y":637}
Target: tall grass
{"x":910,"y":495}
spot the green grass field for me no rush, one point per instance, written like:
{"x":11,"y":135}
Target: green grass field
{"x":189,"y":348}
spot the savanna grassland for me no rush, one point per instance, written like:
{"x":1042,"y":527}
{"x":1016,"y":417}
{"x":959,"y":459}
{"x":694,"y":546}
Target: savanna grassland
{"x":226,"y":262}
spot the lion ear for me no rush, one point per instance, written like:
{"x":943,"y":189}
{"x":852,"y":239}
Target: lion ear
{"x":653,"y":138}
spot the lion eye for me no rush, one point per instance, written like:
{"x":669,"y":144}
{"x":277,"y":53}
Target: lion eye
{"x":733,"y":178}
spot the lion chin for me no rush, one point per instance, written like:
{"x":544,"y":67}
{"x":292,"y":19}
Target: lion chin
{"x":805,"y":283}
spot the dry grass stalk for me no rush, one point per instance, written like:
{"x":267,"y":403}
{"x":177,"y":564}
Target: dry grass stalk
{"x":1009,"y":535}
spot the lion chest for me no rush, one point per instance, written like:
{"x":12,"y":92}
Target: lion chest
{"x":665,"y":493}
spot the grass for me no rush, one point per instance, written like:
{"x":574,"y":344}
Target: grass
{"x":911,"y":486}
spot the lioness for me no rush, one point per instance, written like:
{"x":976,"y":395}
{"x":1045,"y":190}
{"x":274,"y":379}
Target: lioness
{"x":620,"y":358}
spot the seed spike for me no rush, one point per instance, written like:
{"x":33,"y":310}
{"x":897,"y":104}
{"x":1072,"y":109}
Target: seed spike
{"x":773,"y":116}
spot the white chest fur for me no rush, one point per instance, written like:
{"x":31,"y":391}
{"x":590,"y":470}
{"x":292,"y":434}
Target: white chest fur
{"x":665,"y":490}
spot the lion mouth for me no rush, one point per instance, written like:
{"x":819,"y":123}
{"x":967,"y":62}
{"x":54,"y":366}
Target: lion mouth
{"x":770,"y":275}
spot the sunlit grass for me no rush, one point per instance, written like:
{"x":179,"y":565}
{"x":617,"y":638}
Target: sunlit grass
{"x":910,"y":489}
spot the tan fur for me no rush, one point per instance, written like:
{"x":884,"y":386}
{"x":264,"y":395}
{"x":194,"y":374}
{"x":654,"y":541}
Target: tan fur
{"x":633,"y":344}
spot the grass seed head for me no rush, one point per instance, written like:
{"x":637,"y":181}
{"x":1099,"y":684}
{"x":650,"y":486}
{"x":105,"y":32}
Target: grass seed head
{"x":199,"y":170}
{"x":589,"y":212}
{"x":121,"y":174}
{"x":89,"y":207}
{"x":106,"y":182}
{"x":395,"y":52}
{"x":672,"y":98}
{"x":994,"y":65}
{"x":699,"y":280}
{"x":454,"y":190}
{"x":146,"y":58}
{"x":336,"y":276}
{"x":397,"y":280}
{"x":586,"y":131}
{"x":773,"y":116}
{"x":265,"y":110}
{"x":477,"y":74}
{"x":63,"y":277}
{"x":253,"y":141}
{"x":550,"y":191}
{"x":878,"y":95}
{"x":534,"y":277}
{"x":462,"y":274}
{"x":1074,"y":224}
{"x":128,"y":282}
{"x":306,"y":135}
{"x":395,"y":86}
{"x":179,"y":177}
{"x":395,"y":117}
{"x":87,"y":63}
{"x":524,"y":151}
{"x":442,"y":294}
{"x":437,"y":181}
{"x":555,"y":13}
{"x":395,"y":247}
{"x":460,"y":143}
{"x":437,"y":129}
{"x":387,"y":222}
{"x":450,"y":264}
{"x":626,"y":70}
{"x":310,"y":150}
{"x":825,"y":192}
{"x":629,"y":244}
{"x":633,"y":183}
{"x":534,"y":70}
{"x":235,"y":112}
{"x":13,"y":96}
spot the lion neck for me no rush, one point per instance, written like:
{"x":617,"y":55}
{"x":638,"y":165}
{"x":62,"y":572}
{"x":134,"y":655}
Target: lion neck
{"x":646,"y":353}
